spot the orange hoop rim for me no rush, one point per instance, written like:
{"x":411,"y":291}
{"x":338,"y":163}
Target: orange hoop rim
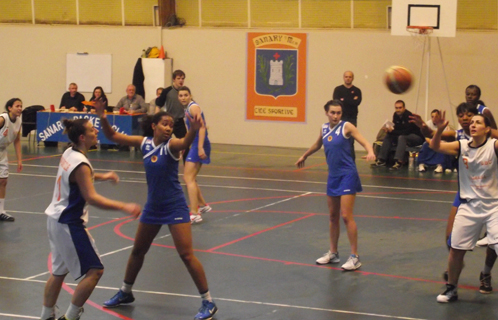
{"x":419,"y":29}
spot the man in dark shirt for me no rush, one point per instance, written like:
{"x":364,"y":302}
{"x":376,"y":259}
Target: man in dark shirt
{"x":168,"y":101}
{"x":72,"y":100}
{"x":350,"y":96}
{"x":402,"y":134}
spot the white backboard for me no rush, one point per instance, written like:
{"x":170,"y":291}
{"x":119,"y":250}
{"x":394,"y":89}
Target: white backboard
{"x":441,"y":15}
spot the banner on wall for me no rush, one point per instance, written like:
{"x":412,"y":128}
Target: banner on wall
{"x":276,"y":76}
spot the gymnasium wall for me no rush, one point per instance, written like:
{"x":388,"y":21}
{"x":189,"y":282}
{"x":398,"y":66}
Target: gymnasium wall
{"x":33,"y":68}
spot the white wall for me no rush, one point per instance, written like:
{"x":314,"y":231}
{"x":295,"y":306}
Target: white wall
{"x":215,"y":63}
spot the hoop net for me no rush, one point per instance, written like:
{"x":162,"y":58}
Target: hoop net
{"x":419,"y":30}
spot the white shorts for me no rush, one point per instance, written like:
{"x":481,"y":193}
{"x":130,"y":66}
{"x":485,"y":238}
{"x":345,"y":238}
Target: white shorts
{"x":73,"y":249}
{"x":469,"y":220}
{"x":4,"y":164}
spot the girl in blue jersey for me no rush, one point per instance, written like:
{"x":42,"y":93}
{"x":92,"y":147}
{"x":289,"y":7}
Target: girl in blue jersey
{"x":473,"y":95}
{"x":343,"y":181}
{"x":197,"y":156}
{"x":166,"y":202}
{"x":73,"y":249}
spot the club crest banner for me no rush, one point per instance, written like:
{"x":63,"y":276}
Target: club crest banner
{"x":276,"y":76}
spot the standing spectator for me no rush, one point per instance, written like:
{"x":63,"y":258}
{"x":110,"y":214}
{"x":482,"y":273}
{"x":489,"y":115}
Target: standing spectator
{"x":350,"y":96}
{"x":403,"y":134}
{"x":132,"y":102}
{"x":152,"y":104}
{"x":72,"y":100}
{"x":10,"y":127}
{"x":168,"y":101}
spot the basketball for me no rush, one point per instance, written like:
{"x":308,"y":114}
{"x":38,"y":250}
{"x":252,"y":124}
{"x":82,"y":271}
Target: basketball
{"x":398,"y":79}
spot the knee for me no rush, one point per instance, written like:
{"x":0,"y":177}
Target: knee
{"x":187,"y":256}
{"x":3,"y":183}
{"x":347,"y":217}
{"x":139,"y":252}
{"x":95,"y":274}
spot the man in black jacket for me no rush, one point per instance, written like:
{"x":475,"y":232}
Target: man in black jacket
{"x":402,"y":134}
{"x":350,"y":96}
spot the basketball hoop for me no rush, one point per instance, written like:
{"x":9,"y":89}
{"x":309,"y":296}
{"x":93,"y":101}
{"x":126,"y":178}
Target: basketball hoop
{"x":419,"y":34}
{"x":420,"y":30}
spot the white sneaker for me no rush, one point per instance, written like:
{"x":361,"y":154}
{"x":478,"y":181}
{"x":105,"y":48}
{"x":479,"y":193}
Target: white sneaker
{"x":353,"y":263}
{"x":439,"y":169}
{"x":455,"y":170}
{"x":204,"y":209}
{"x":195,"y":218}
{"x":448,"y":170}
{"x":483,"y":242}
{"x":421,"y":167}
{"x":328,"y":257}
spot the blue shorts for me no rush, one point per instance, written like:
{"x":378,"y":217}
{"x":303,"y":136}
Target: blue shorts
{"x":170,"y":213}
{"x":457,"y":201}
{"x":342,"y":185}
{"x":73,"y":249}
{"x":193,"y":154}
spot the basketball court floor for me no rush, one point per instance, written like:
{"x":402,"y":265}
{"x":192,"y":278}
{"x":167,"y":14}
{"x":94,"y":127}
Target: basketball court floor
{"x":258,"y":246}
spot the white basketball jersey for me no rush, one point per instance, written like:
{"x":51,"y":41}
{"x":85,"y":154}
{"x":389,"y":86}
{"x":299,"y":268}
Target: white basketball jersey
{"x":68,"y":205}
{"x":9,"y":131}
{"x":478,"y":171}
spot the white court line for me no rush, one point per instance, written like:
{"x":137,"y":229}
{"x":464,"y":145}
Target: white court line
{"x":102,"y":255}
{"x":236,"y":301}
{"x":17,"y":316}
{"x":258,"y":179}
{"x":274,"y":203}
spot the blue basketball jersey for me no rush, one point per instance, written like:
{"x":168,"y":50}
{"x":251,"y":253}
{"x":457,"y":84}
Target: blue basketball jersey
{"x":161,"y":170}
{"x":481,"y":108}
{"x":196,"y":140}
{"x":337,"y":150}
{"x":461,"y":135}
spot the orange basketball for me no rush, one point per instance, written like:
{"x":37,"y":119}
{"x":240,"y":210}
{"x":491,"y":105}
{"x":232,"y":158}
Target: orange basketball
{"x":398,"y":79}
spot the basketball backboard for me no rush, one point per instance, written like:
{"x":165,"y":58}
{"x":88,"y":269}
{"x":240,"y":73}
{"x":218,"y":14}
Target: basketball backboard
{"x":441,"y":15}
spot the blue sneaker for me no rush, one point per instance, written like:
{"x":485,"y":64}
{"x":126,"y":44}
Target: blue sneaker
{"x":206,"y":311}
{"x":119,"y":299}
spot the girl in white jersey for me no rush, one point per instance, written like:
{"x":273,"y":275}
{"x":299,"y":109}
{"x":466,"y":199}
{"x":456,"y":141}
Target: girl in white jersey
{"x":343,"y":181}
{"x":166,"y":204}
{"x":72,"y":247}
{"x":478,"y":188}
{"x":10,"y":127}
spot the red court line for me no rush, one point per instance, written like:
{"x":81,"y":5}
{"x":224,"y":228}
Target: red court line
{"x":89,"y":302}
{"x":37,"y":158}
{"x":259,"y":232}
{"x":365,"y":273}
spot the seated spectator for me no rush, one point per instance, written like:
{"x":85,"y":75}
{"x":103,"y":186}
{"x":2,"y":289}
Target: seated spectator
{"x":98,"y":94}
{"x":152,"y":104}
{"x":132,"y":103}
{"x":427,"y":156}
{"x":401,"y":135}
{"x":72,"y":100}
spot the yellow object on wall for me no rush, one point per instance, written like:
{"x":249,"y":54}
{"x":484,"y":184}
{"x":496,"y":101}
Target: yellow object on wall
{"x":15,"y":11}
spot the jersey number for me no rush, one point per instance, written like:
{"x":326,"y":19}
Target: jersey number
{"x":59,"y":188}
{"x":338,"y":131}
{"x":466,"y":162}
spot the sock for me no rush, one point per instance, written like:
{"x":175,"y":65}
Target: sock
{"x":47,"y":312}
{"x":73,"y":312}
{"x":206,"y":296}
{"x":126,"y":287}
{"x":2,"y":201}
